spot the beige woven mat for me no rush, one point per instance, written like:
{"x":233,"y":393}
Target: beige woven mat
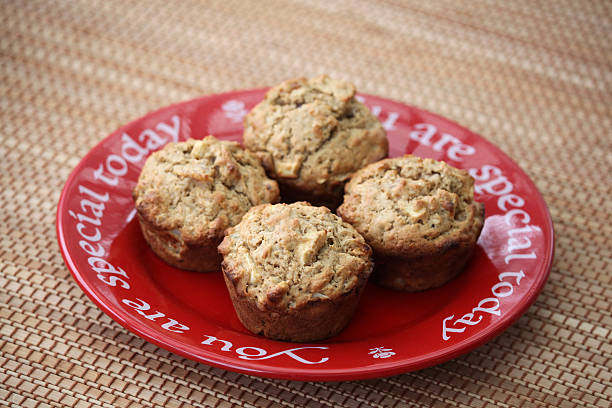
{"x":534,"y":77}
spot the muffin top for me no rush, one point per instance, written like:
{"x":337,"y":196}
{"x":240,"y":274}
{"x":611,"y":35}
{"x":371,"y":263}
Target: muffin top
{"x":287,"y":255}
{"x":312,"y":134}
{"x":198,"y":188}
{"x":407,"y":206}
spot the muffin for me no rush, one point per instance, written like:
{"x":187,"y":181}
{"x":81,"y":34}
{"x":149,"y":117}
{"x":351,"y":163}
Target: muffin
{"x":419,"y":216}
{"x":189,"y":192}
{"x":311,"y":135}
{"x":294,"y":272}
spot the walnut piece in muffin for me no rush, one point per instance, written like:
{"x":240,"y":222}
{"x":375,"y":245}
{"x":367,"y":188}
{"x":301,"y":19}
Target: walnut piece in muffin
{"x":419,"y":216}
{"x":294,"y":272}
{"x":311,"y":135}
{"x":189,"y":192}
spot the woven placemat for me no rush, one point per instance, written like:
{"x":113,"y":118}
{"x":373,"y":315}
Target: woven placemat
{"x":534,"y":77}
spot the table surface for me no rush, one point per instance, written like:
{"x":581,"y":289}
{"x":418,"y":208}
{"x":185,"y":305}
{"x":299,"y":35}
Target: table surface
{"x":534,"y":77}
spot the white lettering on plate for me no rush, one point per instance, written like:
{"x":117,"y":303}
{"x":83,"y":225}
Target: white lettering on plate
{"x":144,"y":309}
{"x":491,"y":181}
{"x":257,"y":353}
{"x":381,"y":352}
{"x":234,"y":110}
{"x":428,"y":135}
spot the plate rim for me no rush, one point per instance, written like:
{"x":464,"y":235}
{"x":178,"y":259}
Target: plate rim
{"x":388,"y":368}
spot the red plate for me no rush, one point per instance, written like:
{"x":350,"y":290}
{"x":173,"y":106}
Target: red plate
{"x":191,"y":314}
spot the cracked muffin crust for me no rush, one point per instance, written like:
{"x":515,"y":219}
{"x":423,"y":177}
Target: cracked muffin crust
{"x":294,"y":272}
{"x":311,"y":135}
{"x":419,"y":216}
{"x":190,"y":192}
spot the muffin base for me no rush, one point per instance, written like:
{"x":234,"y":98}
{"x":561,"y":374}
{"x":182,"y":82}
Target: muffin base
{"x":414,"y":274}
{"x":314,"y":321}
{"x":178,"y":253}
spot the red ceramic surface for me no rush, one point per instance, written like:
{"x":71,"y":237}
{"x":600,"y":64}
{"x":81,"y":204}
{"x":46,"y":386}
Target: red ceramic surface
{"x":191,"y":313}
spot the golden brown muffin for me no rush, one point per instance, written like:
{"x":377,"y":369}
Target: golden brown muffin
{"x":294,"y":272}
{"x":311,"y":135}
{"x":189,"y":192}
{"x":419,"y":216}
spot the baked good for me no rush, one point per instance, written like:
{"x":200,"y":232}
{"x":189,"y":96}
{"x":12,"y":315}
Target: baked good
{"x":189,"y":192}
{"x":294,"y":271}
{"x":419,"y":216}
{"x":311,"y":135}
